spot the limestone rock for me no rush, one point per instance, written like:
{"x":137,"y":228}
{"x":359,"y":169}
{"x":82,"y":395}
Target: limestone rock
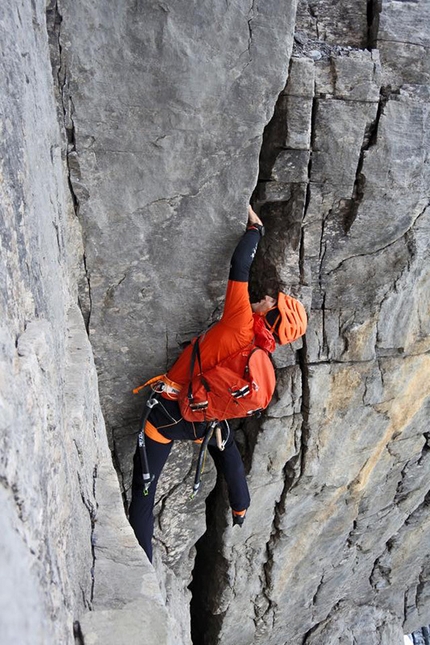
{"x":188,"y":96}
{"x":167,"y":108}
{"x":338,"y":22}
{"x":353,"y":485}
{"x":131,"y":209}
{"x":403,"y":40}
{"x":353,"y":625}
{"x":66,"y":546}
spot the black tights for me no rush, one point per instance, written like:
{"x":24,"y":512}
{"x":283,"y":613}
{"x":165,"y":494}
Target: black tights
{"x":229,"y":462}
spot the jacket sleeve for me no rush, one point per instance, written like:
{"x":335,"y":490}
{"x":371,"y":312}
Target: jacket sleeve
{"x":243,"y":256}
{"x":237,"y":307}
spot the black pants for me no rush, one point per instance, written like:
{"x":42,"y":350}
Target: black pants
{"x":228,"y":461}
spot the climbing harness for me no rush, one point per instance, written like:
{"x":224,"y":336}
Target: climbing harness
{"x":162,"y":385}
{"x":159,"y":384}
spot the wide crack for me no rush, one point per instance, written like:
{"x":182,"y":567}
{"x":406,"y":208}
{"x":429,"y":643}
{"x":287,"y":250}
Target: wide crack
{"x":209,"y":575}
{"x":211,"y":571}
{"x":374,"y":8}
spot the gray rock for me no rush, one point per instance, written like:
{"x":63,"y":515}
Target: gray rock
{"x":355,"y":77}
{"x":66,"y":546}
{"x":352,"y":626}
{"x":291,"y":167}
{"x":214,"y":95}
{"x":352,"y":119}
{"x":161,"y":113}
{"x":354,"y":480}
{"x":298,"y":136}
{"x":403,"y":41}
{"x":301,"y":78}
{"x":166,"y":110}
{"x":340,"y":22}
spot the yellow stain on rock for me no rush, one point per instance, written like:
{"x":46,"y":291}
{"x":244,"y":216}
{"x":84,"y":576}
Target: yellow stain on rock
{"x":303,"y":542}
{"x":343,"y":388}
{"x":400,"y":407}
{"x":361,"y":341}
{"x":400,"y":410}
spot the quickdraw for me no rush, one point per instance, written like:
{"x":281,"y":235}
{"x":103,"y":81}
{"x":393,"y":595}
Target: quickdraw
{"x":212,"y":427}
{"x":146,"y":475}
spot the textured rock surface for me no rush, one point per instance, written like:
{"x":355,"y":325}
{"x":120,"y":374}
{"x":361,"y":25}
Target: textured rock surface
{"x":339,"y":548}
{"x":65,"y":545}
{"x":338,"y":469}
{"x":167,"y":107}
{"x":164,"y":109}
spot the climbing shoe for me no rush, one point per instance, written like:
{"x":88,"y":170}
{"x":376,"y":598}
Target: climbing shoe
{"x":238,"y":517}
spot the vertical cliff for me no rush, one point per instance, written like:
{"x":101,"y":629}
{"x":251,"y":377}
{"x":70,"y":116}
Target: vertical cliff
{"x":336,"y":541}
{"x":166,"y":108}
{"x":131,"y":144}
{"x":69,"y":560}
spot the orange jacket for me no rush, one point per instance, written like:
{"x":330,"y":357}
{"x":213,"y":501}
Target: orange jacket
{"x":233,"y":331}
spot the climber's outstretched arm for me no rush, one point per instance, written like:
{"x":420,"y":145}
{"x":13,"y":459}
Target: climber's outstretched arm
{"x":246,"y":249}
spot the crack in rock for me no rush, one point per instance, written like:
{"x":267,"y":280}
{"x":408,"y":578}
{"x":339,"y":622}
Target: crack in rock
{"x":251,"y":13}
{"x":54,"y":21}
{"x":92,"y":512}
{"x":369,"y":140}
{"x":382,"y":248}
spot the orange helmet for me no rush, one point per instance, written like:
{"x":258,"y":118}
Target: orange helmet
{"x":290,"y":322}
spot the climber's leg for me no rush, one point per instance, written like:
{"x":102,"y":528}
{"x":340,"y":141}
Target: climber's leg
{"x":230,"y":463}
{"x":141,"y":508}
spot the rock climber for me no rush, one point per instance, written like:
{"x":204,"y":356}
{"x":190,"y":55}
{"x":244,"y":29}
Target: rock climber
{"x":282,"y":319}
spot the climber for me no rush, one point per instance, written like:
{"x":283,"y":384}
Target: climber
{"x":281,"y":319}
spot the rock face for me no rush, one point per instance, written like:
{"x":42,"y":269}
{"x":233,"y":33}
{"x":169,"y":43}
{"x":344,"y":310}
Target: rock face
{"x":166,"y":108}
{"x":336,"y":540}
{"x":162,"y":109}
{"x":65,"y":545}
{"x":186,"y":95}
